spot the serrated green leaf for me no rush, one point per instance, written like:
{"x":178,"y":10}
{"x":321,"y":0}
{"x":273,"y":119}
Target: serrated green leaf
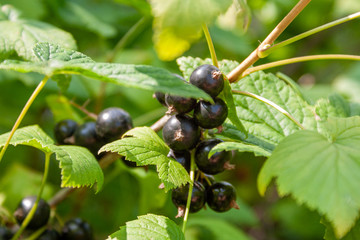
{"x":79,"y":167}
{"x":143,"y":146}
{"x":18,"y":36}
{"x":149,"y":227}
{"x":334,"y":106}
{"x":240,"y":147}
{"x":57,"y":60}
{"x":320,"y":171}
{"x":352,"y":235}
{"x":32,"y":136}
{"x":267,"y":126}
{"x":61,"y":108}
{"x":178,"y":23}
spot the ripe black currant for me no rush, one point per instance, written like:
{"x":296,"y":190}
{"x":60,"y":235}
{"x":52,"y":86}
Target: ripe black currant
{"x":179,"y":104}
{"x":181,"y":133}
{"x":182,"y":157}
{"x":112,"y":123}
{"x":77,"y":229}
{"x":208,"y":78}
{"x":5,"y":234}
{"x":49,"y":234}
{"x":40,"y":217}
{"x":198,"y":198}
{"x":206,"y":179}
{"x":160,"y":97}
{"x":216,"y":163}
{"x":221,"y":196}
{"x":209,"y":115}
{"x":85,"y":135}
{"x":64,"y":129}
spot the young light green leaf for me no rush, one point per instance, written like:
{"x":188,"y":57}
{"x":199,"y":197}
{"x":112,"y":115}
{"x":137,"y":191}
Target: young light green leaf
{"x":240,"y":147}
{"x":237,"y":17}
{"x":32,"y":136}
{"x":266,"y":125}
{"x":352,"y":235}
{"x":57,"y":60}
{"x":149,"y":226}
{"x":320,"y":171}
{"x":18,"y":36}
{"x":79,"y":167}
{"x":178,"y":23}
{"x":143,"y":146}
{"x":334,"y":106}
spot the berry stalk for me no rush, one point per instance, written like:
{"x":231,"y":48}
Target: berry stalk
{"x":23,"y":113}
{"x":192,"y":174}
{"x":33,"y":209}
{"x":210,"y":45}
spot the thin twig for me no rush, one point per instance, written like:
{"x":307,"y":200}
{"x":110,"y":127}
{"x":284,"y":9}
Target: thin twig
{"x":160,"y":123}
{"x":254,"y":56}
{"x":84,"y":110}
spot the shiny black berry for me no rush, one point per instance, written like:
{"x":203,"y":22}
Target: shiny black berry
{"x":181,"y":133}
{"x":221,"y":197}
{"x":179,"y":104}
{"x":40,"y":217}
{"x":64,"y":129}
{"x":112,"y":123}
{"x":209,"y":115}
{"x":5,"y":234}
{"x":85,"y":135}
{"x":49,"y":234}
{"x":208,"y":78}
{"x":77,"y":229}
{"x":206,"y":179}
{"x":198,"y":197}
{"x":160,"y":97}
{"x":182,"y":157}
{"x":216,"y":163}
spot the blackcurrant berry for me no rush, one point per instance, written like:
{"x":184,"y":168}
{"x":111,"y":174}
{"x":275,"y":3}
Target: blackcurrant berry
{"x":182,"y":157}
{"x":49,"y":234}
{"x":85,"y":135}
{"x":5,"y":234}
{"x":216,"y":163}
{"x":198,"y":197}
{"x":209,"y":115}
{"x":64,"y":129}
{"x":160,"y":97}
{"x":40,"y":217}
{"x":181,"y":133}
{"x":179,"y":104}
{"x":221,"y":196}
{"x":77,"y":229}
{"x":206,"y":179}
{"x":208,"y":78}
{"x":112,"y":123}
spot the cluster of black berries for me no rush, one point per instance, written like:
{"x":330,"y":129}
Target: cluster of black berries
{"x":182,"y":132}
{"x":110,"y":125}
{"x":74,"y":229}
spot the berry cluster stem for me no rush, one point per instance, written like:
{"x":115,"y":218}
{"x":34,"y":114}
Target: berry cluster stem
{"x":33,"y":209}
{"x":23,"y":113}
{"x":270,"y":103}
{"x":192,"y":176}
{"x":234,"y":75}
{"x":210,"y":45}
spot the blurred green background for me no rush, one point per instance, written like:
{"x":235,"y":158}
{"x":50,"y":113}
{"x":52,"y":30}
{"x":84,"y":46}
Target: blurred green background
{"x":97,"y":26}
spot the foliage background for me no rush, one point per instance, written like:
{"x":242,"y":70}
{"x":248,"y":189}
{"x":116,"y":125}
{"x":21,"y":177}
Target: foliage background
{"x":97,"y":26}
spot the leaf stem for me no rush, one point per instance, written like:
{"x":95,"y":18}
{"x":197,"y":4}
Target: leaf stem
{"x":300,"y":59}
{"x":270,"y":103}
{"x":157,"y":126}
{"x":234,"y":75}
{"x":192,"y":170}
{"x":266,"y":51}
{"x":23,"y":113}
{"x":33,"y":209}
{"x":210,"y":45}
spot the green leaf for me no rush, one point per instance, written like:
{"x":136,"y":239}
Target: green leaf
{"x":352,"y":235}
{"x":334,"y":106}
{"x":237,"y":17}
{"x":57,"y":60}
{"x":240,"y":147}
{"x":178,"y":23}
{"x":320,"y":171}
{"x":61,"y":108}
{"x":149,"y":226}
{"x":18,"y":36}
{"x":143,"y":146}
{"x":267,"y":126}
{"x":213,"y":228}
{"x":78,"y":166}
